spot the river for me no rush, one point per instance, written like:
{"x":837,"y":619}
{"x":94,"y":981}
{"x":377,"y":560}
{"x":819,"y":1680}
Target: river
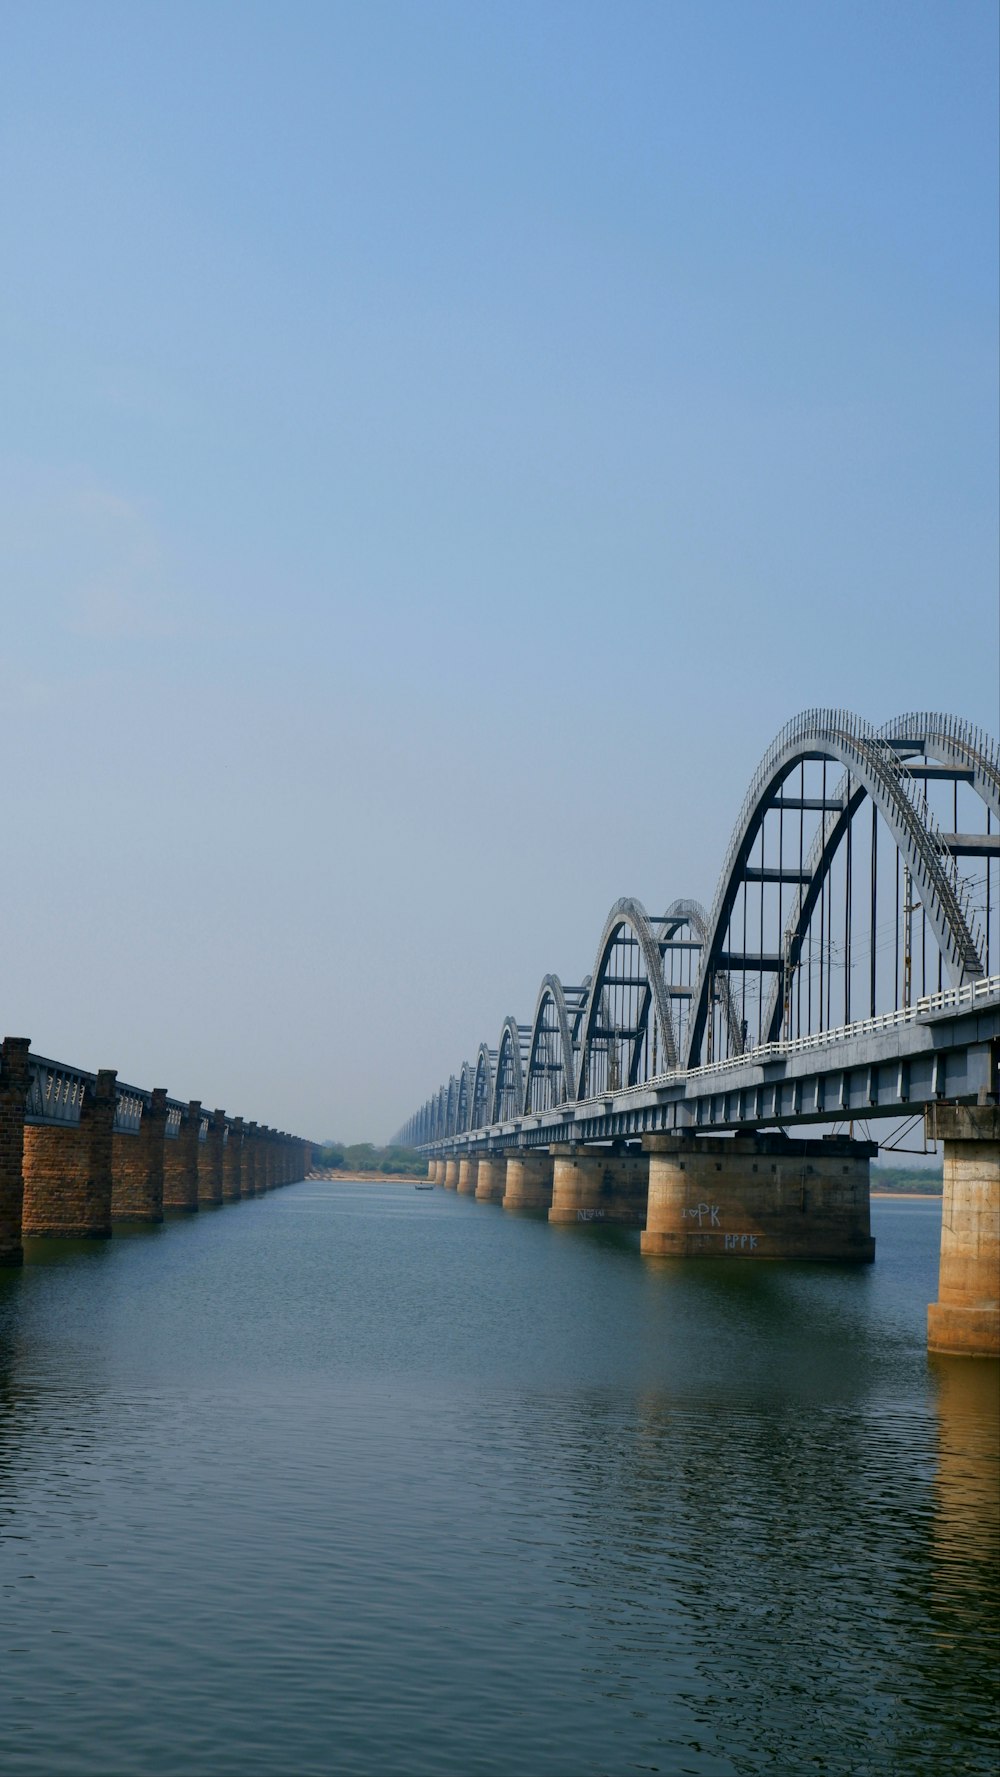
{"x":363,"y":1481}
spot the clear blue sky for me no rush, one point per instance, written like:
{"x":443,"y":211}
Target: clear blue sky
{"x":441,"y":444}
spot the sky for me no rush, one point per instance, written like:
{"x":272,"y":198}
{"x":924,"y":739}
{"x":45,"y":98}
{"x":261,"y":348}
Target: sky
{"x":440,"y":445}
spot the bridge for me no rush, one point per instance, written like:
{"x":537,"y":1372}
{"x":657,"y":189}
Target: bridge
{"x":80,"y":1152}
{"x":847,"y":971}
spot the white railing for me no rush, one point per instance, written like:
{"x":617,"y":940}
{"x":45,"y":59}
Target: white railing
{"x":974,"y":992}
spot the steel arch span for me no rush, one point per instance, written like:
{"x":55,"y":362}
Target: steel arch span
{"x":872,"y":770}
{"x":552,"y":1051}
{"x":863,"y":872}
{"x":627,"y":982}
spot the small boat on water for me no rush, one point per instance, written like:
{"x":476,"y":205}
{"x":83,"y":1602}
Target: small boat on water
{"x":427,"y":1187}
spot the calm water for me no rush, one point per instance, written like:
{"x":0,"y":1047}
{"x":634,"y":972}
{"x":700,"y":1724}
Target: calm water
{"x":365,"y":1480}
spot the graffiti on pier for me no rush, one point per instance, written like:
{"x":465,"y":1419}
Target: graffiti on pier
{"x":706,"y":1214}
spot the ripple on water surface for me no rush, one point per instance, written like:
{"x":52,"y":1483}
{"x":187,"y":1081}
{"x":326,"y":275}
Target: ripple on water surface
{"x":361,"y":1480}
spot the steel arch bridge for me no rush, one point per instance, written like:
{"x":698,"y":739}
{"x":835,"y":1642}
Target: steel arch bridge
{"x":861,"y":881}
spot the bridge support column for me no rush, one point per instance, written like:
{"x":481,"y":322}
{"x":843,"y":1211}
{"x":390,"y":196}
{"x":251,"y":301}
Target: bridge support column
{"x":232,"y":1162}
{"x":965,"y":1319}
{"x":491,"y":1178}
{"x":451,"y":1175}
{"x":593,"y":1184}
{"x":180,"y":1162}
{"x":468,"y":1175}
{"x":14,"y":1079}
{"x":67,"y":1169}
{"x":528,"y":1184}
{"x":137,"y":1165}
{"x":249,"y":1186}
{"x":210,"y":1160}
{"x":758,"y":1196}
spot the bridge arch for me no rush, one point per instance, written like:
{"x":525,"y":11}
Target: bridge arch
{"x":871,"y":771}
{"x":551,"y":1066}
{"x":953,"y":743}
{"x":620,"y":1045}
{"x":466,"y":1085}
{"x":451,"y":1107}
{"x":482,"y":1088}
{"x":508,"y":1084}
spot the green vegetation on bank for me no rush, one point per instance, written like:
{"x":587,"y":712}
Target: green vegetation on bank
{"x":923,"y":1180}
{"x":362,"y":1157}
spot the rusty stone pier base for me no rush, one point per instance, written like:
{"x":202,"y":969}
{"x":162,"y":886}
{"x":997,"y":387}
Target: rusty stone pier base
{"x":451,"y":1175}
{"x":491,"y":1178}
{"x":965,"y":1319}
{"x":137,"y":1165}
{"x":468,"y":1169}
{"x":14,"y":1078}
{"x":759,"y":1196}
{"x":595,"y":1184}
{"x":528,"y":1185}
{"x":68,"y":1168}
{"x":432,"y":1171}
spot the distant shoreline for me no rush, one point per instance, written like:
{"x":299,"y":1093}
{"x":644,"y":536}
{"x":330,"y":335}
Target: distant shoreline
{"x":368,"y":1178}
{"x":910,"y":1196}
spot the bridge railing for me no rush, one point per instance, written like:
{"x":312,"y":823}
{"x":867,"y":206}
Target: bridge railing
{"x":987,"y":988}
{"x":130,"y":1102}
{"x":55,"y":1092}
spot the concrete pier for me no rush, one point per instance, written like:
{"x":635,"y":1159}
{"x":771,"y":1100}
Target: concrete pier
{"x":759,"y":1196}
{"x":595,"y":1184}
{"x":451,"y":1175}
{"x":965,"y":1319}
{"x":468,"y":1169}
{"x":67,"y":1168}
{"x":14,"y":1077}
{"x":528,"y":1185}
{"x":137,"y":1165}
{"x":491,"y":1178}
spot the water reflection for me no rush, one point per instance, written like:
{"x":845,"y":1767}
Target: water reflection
{"x":484,"y":1500}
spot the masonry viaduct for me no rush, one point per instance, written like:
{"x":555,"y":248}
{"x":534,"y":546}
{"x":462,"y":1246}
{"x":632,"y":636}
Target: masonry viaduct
{"x":847,"y":971}
{"x":80,"y":1152}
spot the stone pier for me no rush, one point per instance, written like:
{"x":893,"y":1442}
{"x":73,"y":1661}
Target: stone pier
{"x":451,"y":1174}
{"x":468,"y":1170}
{"x":137,"y":1165}
{"x":965,"y":1319}
{"x":67,"y":1168}
{"x":232,"y":1158}
{"x":210,"y":1160}
{"x":249,"y":1188}
{"x":14,"y":1078}
{"x":528,"y":1185}
{"x":759,"y":1196}
{"x":595,"y":1184}
{"x":491,"y":1178}
{"x":180,"y":1162}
